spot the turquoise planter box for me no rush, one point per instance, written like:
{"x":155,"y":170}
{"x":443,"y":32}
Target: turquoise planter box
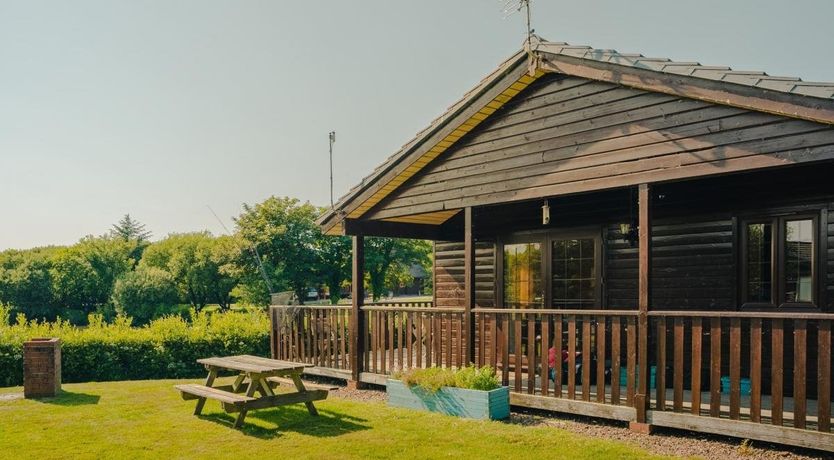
{"x":484,"y":405}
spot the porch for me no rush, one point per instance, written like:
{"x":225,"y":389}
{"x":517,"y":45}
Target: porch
{"x":697,"y":349}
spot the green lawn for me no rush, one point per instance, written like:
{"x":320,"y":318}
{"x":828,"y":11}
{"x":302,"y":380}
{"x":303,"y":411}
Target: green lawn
{"x":147,"y":419}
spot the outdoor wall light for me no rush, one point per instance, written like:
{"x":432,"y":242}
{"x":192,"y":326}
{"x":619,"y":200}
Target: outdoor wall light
{"x":629,"y":232}
{"x":545,"y":213}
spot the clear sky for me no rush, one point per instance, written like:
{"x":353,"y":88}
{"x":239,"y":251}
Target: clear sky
{"x":159,"y":108}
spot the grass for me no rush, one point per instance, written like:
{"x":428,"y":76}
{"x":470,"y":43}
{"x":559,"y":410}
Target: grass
{"x":147,"y":419}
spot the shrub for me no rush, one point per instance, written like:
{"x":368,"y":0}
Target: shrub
{"x":165,"y":348}
{"x":434,"y":378}
{"x":145,"y":294}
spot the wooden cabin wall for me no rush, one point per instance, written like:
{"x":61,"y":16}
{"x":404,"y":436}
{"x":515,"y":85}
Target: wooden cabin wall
{"x":449,"y":274}
{"x":567,"y":135}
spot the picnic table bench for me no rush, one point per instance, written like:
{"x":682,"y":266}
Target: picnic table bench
{"x":255,"y":374}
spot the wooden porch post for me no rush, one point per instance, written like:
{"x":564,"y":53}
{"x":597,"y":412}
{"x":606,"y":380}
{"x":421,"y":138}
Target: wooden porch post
{"x":469,"y":287}
{"x":641,"y":399}
{"x":357,"y":322}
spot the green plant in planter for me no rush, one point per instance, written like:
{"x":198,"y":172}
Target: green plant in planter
{"x":434,"y":378}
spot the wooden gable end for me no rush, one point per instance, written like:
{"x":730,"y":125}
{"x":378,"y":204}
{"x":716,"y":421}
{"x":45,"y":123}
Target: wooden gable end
{"x":566,"y":135}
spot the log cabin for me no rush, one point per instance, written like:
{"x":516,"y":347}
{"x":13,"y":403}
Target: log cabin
{"x":619,"y":236}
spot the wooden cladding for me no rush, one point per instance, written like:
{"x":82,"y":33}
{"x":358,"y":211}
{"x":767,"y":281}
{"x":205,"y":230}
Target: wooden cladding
{"x":449,"y":288}
{"x":565,"y":135}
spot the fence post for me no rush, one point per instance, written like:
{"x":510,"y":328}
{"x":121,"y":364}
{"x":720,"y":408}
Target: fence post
{"x":641,"y":399}
{"x":357,"y":320}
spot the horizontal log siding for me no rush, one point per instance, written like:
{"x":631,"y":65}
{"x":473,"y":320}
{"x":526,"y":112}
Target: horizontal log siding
{"x":565,"y":135}
{"x":693,"y":265}
{"x":449,"y":274}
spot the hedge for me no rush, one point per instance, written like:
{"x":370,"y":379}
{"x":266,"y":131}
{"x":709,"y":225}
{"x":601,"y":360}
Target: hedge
{"x":166,"y":348}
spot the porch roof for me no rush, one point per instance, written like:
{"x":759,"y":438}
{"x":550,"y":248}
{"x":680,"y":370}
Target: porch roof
{"x":752,"y":90}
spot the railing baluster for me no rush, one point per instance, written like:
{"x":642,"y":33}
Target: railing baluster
{"x":695,"y":386}
{"x":678,"y":372}
{"x":586,"y":358}
{"x":571,"y":357}
{"x":660,"y":372}
{"x":418,"y":340}
{"x":505,"y":350}
{"x":518,"y":353}
{"x":616,"y":328}
{"x":631,"y":359}
{"x":800,"y":335}
{"x":544,"y":354}
{"x":776,"y":362}
{"x":715,"y":368}
{"x":756,"y":370}
{"x":600,"y":342}
{"x":824,"y":376}
{"x":481,"y":341}
{"x":735,"y":367}
{"x":399,"y":323}
{"x":531,"y":353}
{"x":494,"y":347}
{"x":557,"y":348}
{"x":409,"y":337}
{"x":448,"y":320}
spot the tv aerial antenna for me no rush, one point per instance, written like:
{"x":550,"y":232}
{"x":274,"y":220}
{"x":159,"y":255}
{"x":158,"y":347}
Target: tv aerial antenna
{"x":512,"y":7}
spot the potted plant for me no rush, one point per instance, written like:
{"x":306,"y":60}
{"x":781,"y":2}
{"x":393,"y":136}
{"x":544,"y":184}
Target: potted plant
{"x":469,"y":392}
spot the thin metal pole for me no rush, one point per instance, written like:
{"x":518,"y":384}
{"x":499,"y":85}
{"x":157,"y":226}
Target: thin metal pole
{"x":332,"y":140}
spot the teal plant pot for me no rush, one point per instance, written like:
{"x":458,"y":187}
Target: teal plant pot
{"x":477,"y":404}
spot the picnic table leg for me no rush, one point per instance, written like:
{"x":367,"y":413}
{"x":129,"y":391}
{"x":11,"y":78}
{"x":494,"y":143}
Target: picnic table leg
{"x":299,"y":385}
{"x":238,"y":382}
{"x":209,"y":382}
{"x":254,"y":380}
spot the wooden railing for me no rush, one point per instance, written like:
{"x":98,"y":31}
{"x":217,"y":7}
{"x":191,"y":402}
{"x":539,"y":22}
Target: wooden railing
{"x":401,"y":337}
{"x":313,"y":334}
{"x":709,"y":360}
{"x":699,"y":364}
{"x":601,"y":344}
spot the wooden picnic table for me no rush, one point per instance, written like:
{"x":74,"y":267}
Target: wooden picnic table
{"x":255,"y":374}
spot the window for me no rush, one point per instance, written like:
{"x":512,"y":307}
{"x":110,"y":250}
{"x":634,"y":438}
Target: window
{"x":523,"y":275}
{"x":573,"y":274}
{"x":552,"y":270}
{"x":779,"y":261}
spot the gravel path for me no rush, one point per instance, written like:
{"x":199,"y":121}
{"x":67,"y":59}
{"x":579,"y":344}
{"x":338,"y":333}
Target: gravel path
{"x":662,"y":442}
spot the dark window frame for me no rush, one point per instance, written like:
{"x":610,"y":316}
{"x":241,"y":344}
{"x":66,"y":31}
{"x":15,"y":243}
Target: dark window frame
{"x":778,"y":223}
{"x":545,"y":238}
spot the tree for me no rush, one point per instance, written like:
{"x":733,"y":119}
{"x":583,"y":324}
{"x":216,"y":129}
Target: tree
{"x":333,"y":263}
{"x":204,"y":268}
{"x":145,"y":294}
{"x":132,"y":231}
{"x":83,"y":275}
{"x":26,"y":282}
{"x":129,"y":229}
{"x":389,"y":259}
{"x":284,"y":233}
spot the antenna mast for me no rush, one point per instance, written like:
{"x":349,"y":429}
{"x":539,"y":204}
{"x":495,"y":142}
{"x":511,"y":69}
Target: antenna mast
{"x":332,"y":140}
{"x":513,"y":6}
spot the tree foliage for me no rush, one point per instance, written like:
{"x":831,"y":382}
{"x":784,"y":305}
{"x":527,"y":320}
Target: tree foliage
{"x":203,"y":267}
{"x":285,"y":236}
{"x":145,"y":294}
{"x":388,"y":261}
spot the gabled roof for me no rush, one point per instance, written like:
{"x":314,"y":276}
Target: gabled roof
{"x":786,"y":96}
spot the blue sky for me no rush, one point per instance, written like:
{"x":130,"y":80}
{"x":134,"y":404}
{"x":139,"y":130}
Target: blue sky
{"x":159,"y":108}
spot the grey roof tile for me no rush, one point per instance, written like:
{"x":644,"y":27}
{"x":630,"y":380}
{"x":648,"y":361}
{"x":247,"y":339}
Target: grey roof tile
{"x":758,"y":79}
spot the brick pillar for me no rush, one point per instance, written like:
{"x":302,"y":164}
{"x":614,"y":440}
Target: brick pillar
{"x":41,"y":367}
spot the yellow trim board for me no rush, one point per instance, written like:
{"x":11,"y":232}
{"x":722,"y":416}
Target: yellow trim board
{"x":488,"y":109}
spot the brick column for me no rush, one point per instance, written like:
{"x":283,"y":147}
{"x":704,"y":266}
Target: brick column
{"x":41,"y":367}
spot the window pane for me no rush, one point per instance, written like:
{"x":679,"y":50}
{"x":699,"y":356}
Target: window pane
{"x":759,"y":263}
{"x":574,"y":275}
{"x":799,"y":250}
{"x":522,"y":275}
